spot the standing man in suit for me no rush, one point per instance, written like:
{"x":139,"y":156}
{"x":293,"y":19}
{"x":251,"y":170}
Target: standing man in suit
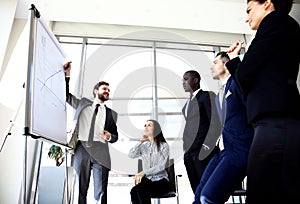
{"x":91,"y":138}
{"x":200,"y":123}
{"x":267,"y":77}
{"x":227,"y":169}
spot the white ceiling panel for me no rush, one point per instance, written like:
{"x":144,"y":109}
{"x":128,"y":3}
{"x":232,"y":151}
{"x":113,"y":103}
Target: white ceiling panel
{"x":213,"y":15}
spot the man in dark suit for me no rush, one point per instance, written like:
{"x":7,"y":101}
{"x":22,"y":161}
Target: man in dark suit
{"x":200,"y":123}
{"x":90,"y":139}
{"x":267,"y":77}
{"x":227,"y":169}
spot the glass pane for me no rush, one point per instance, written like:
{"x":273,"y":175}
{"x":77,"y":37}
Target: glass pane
{"x":171,"y":65}
{"x":73,"y":54}
{"x":129,"y":70}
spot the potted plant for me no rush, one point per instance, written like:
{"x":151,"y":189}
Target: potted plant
{"x":55,"y":152}
{"x":54,"y":179}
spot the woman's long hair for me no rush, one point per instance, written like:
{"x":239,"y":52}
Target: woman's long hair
{"x":157,"y":134}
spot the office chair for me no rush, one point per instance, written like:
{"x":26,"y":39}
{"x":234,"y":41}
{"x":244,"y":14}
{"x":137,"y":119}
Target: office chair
{"x":173,"y":191}
{"x":240,"y":193}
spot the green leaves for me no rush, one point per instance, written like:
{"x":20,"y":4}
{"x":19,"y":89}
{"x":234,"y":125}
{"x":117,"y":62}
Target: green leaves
{"x":56,"y":153}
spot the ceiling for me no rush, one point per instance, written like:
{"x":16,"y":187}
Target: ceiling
{"x":213,"y":15}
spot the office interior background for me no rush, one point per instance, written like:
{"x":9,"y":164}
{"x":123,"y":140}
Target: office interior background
{"x":142,"y":48}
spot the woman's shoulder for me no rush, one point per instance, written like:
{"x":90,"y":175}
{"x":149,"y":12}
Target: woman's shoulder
{"x":164,"y":144}
{"x":277,"y":19}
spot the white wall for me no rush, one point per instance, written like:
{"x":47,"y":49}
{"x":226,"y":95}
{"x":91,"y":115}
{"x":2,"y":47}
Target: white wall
{"x":7,"y":13}
{"x":12,"y":77}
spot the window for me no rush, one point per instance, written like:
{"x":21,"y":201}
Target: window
{"x":146,"y":82}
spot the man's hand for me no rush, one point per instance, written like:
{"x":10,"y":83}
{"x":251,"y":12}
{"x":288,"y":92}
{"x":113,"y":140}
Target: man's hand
{"x":106,"y":135}
{"x":67,"y":67}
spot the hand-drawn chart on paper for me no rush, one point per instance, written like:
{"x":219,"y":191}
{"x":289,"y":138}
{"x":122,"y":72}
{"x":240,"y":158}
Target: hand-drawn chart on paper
{"x":48,"y":91}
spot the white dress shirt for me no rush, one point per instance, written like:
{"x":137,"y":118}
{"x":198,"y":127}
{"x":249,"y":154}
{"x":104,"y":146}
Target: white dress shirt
{"x":85,"y":122}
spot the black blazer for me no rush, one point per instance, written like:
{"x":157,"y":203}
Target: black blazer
{"x":267,"y":75}
{"x":201,"y":122}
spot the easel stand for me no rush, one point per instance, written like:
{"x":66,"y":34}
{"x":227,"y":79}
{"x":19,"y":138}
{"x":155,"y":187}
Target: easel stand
{"x":34,"y":13}
{"x":38,"y":41}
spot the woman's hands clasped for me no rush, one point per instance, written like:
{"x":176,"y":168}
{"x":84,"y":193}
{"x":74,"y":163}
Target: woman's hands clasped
{"x":138,"y":177}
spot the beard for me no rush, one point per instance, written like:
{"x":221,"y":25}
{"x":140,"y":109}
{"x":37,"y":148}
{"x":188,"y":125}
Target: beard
{"x":102,"y":97}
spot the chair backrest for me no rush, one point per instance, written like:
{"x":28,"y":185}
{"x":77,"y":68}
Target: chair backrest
{"x":171,"y":174}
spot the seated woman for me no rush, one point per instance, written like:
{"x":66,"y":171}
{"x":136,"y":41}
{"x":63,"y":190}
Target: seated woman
{"x":154,"y":152}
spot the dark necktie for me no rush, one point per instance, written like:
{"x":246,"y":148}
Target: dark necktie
{"x":92,"y":128}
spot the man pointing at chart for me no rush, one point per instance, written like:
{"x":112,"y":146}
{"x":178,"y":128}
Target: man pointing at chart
{"x":95,"y":127}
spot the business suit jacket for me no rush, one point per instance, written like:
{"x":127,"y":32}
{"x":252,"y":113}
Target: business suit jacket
{"x":221,"y":110}
{"x":268,"y":72}
{"x":237,"y":135}
{"x":101,"y":154}
{"x":227,"y":169}
{"x":201,"y":122}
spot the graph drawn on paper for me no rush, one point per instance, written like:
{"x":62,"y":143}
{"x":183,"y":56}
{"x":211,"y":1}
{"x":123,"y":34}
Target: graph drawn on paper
{"x":48,"y":87}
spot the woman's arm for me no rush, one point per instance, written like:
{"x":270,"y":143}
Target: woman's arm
{"x":267,"y":42}
{"x":135,"y":151}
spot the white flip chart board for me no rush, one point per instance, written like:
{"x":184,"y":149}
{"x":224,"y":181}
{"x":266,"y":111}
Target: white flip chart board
{"x":47,"y":115}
